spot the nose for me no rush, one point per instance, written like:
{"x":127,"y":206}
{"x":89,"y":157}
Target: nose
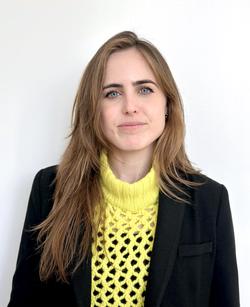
{"x":130,"y":104}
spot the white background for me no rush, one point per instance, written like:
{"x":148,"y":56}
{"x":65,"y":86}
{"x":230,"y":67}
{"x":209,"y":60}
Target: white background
{"x":44,"y":47}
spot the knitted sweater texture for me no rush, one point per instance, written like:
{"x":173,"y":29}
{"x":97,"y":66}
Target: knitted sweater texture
{"x":122,"y":250}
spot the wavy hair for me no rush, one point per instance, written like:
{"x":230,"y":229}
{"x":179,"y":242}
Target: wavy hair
{"x":65,"y":236}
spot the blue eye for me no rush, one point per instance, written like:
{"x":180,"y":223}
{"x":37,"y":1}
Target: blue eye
{"x":142,"y":91}
{"x":112,"y":94}
{"x":146,"y":90}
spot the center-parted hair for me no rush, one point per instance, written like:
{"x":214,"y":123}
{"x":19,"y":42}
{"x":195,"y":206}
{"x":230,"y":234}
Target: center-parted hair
{"x":65,"y":236}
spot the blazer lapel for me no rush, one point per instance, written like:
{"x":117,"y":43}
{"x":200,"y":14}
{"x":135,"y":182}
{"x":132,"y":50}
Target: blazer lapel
{"x":81,"y":282}
{"x":168,"y":227}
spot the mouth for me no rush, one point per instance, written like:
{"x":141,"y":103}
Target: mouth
{"x":131,"y":128}
{"x":131,"y":124}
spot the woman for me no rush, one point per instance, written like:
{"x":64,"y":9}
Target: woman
{"x":125,"y":219}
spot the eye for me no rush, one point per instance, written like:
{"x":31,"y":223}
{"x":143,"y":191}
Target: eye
{"x":146,"y":90}
{"x":112,"y":94}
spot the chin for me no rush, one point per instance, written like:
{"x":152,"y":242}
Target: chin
{"x":134,"y":147}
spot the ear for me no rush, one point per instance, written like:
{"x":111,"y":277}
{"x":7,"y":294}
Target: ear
{"x":166,"y":106}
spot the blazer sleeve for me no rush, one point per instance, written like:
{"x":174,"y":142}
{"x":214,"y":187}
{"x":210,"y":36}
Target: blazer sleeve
{"x":225,"y":288}
{"x":26,"y":283}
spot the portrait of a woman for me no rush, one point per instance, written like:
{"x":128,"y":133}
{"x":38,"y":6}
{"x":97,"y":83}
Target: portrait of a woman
{"x":125,"y":219}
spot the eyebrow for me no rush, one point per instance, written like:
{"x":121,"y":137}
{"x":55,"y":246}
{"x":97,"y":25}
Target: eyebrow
{"x":134,"y":83}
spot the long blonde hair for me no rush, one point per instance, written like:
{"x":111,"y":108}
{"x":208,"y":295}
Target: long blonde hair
{"x":65,"y":235}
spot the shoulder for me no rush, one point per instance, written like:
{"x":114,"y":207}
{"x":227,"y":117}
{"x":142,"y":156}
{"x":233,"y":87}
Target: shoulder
{"x":208,"y":184}
{"x":43,"y":188}
{"x":47,"y":174}
{"x":210,"y":194}
{"x":45,"y":178}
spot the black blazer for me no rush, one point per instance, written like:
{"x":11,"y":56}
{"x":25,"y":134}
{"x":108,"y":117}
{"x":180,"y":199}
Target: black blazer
{"x":193,"y":262}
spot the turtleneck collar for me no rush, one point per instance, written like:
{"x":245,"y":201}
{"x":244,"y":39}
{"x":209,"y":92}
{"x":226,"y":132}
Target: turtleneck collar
{"x":129,"y":196}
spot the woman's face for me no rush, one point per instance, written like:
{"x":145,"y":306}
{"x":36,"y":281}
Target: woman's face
{"x":133,"y":106}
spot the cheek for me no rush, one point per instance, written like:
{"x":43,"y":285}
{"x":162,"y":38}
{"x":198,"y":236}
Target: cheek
{"x":157,"y":118}
{"x":104,"y":115}
{"x":107,"y":119}
{"x":157,"y":114}
{"x":159,"y":124}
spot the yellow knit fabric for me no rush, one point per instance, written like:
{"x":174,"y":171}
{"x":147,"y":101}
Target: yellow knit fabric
{"x":122,"y":250}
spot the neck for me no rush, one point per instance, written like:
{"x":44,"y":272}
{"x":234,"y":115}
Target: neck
{"x":130,"y":166}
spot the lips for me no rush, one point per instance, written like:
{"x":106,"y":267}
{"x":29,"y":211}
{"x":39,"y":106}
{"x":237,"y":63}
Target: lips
{"x":131,"y":124}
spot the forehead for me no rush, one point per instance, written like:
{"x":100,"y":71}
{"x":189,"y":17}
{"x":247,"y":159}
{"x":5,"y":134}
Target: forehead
{"x":127,"y":64}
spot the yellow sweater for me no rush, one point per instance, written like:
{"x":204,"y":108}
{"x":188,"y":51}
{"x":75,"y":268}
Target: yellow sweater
{"x":121,"y":253}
